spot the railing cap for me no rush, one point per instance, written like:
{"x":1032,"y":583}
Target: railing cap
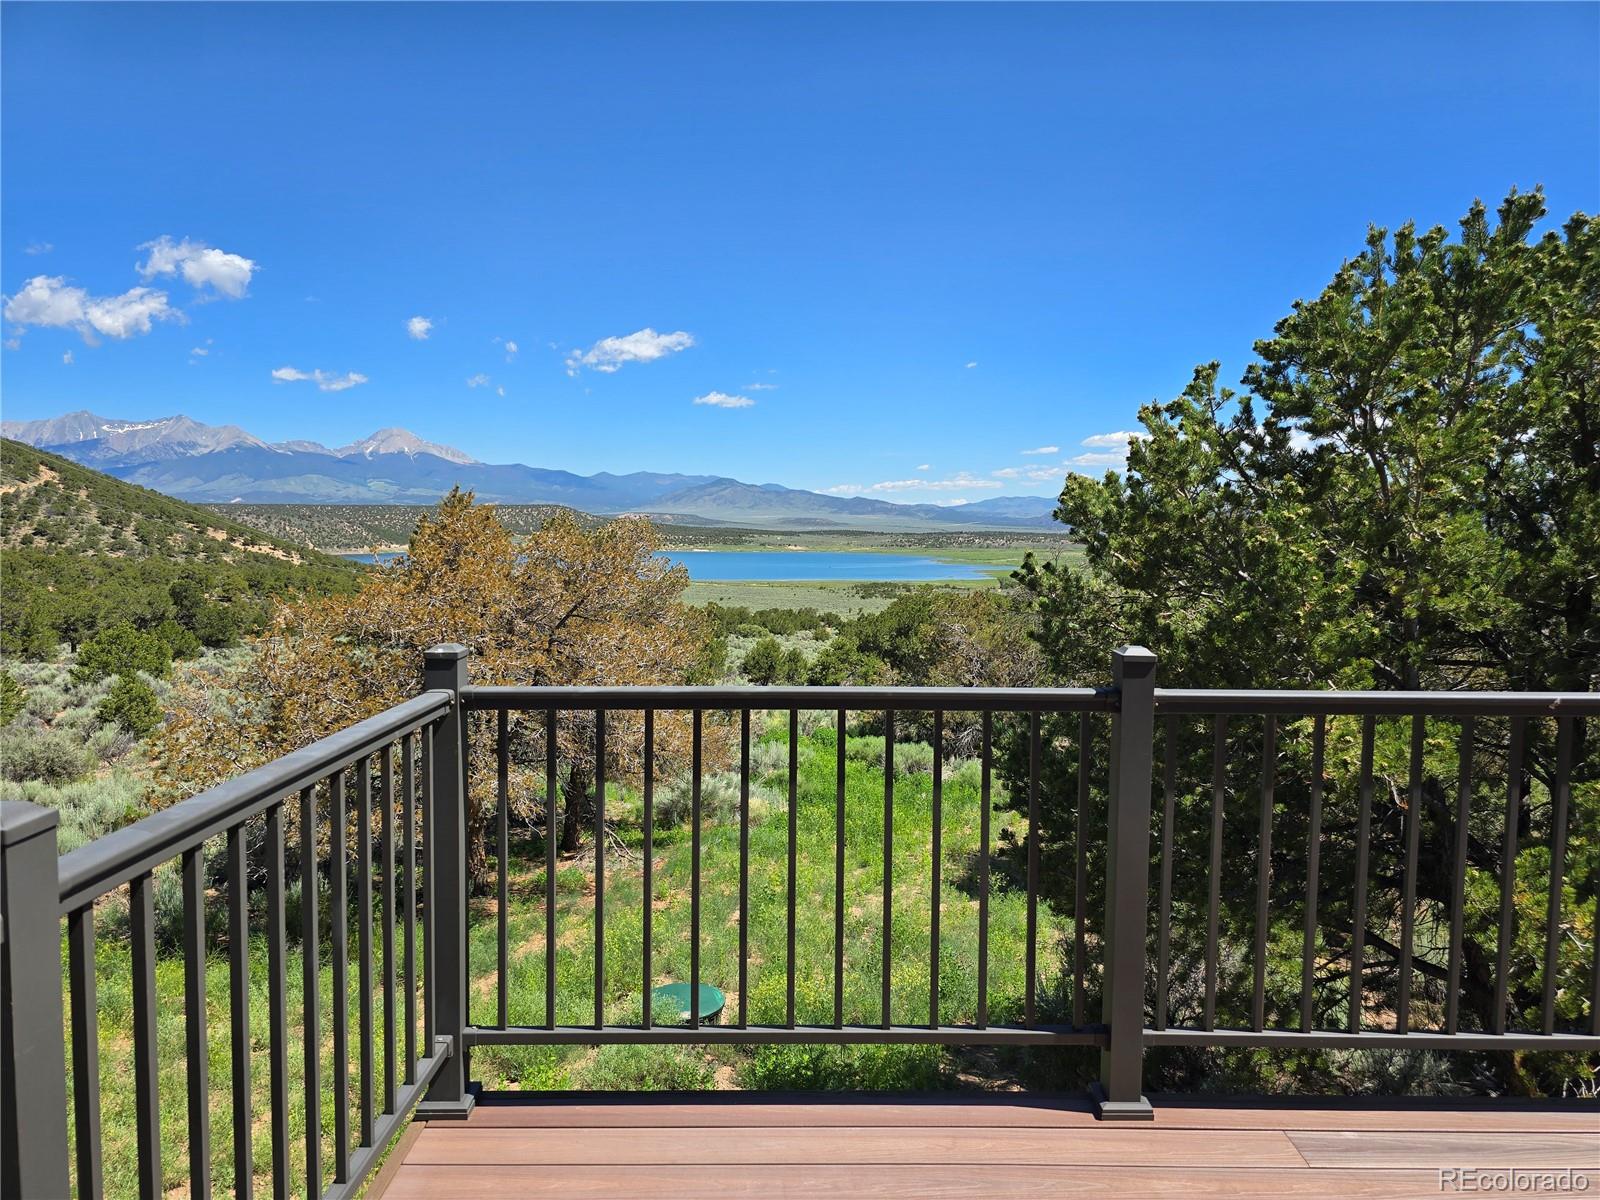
{"x":22,"y":819}
{"x":1136,"y":654}
{"x":446,"y":652}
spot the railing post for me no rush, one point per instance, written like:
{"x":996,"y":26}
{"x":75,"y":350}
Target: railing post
{"x":33,"y":1071}
{"x":1119,"y":1092}
{"x":445,"y":669}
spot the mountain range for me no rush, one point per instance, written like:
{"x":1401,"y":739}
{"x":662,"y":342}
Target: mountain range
{"x":224,"y":463}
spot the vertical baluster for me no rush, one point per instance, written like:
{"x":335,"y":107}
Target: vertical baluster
{"x":694,"y":876}
{"x":502,"y":846}
{"x":364,"y":933}
{"x":744,"y":867}
{"x":339,"y":906}
{"x":600,"y":868}
{"x":427,"y":890}
{"x":1219,"y":784}
{"x":1594,"y":979}
{"x":1269,"y":769}
{"x":1308,"y":953}
{"x":146,"y":1083}
{"x":1031,"y":945}
{"x":1080,"y":878}
{"x":386,"y":852}
{"x":1164,"y":921}
{"x":838,"y":878}
{"x":986,"y":756}
{"x":194,"y":1020}
{"x":85,"y":1053}
{"x":888,"y":858}
{"x":649,"y":975}
{"x":794,"y":792}
{"x":1458,"y":876}
{"x":552,"y":838}
{"x":408,"y":885}
{"x":1408,"y":906}
{"x":239,"y":1008}
{"x":936,"y":861}
{"x":1508,"y":872}
{"x":1358,"y":913}
{"x":310,"y":988}
{"x":277,"y":1003}
{"x":1562,"y":799}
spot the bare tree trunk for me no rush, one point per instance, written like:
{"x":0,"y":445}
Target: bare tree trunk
{"x":577,"y":811}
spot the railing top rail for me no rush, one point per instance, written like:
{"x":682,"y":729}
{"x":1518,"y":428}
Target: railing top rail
{"x":1178,"y":701}
{"x":110,"y":861}
{"x":909,"y":699}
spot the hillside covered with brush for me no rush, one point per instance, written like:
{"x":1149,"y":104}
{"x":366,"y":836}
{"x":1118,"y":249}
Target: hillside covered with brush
{"x":81,"y":551}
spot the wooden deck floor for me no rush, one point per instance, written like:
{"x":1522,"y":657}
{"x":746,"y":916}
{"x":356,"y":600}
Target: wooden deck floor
{"x":818,"y":1147}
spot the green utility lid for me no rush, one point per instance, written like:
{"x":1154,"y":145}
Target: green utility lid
{"x":672,"y":1000}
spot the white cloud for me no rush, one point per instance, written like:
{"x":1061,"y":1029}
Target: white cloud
{"x":1099,"y":458}
{"x":925,"y":467}
{"x":479,"y":380}
{"x":970,"y":365}
{"x":200,"y":265}
{"x":961,"y":481}
{"x":760,"y":387}
{"x":1114,"y":441}
{"x":200,"y":351}
{"x":1044,"y":450}
{"x":723,"y":400}
{"x":499,"y":391}
{"x":511,"y":349}
{"x":49,"y":300}
{"x":1106,"y":450}
{"x":66,"y":358}
{"x":613,"y":353}
{"x":418,"y":328}
{"x":323,"y":380}
{"x":38,"y":248}
{"x":1031,"y":474}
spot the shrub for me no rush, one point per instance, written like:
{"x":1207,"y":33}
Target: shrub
{"x":180,"y":641}
{"x":649,"y":1068}
{"x":131,"y":705}
{"x":121,"y":650}
{"x":89,"y":808}
{"x":763,"y":662}
{"x":845,"y":1068}
{"x":12,"y":698}
{"x":46,"y":755}
{"x":719,"y":799}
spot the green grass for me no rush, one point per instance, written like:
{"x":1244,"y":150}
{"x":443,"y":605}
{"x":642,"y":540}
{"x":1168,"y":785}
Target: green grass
{"x":911,"y":904}
{"x":633,"y":1067}
{"x":845,"y":598}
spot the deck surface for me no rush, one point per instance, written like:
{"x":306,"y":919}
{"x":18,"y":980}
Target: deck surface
{"x":667,"y":1147}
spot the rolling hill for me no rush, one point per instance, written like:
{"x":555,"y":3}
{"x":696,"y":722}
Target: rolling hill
{"x":83,"y":550}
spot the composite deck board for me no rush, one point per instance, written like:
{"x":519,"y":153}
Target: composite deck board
{"x":906,"y":1183}
{"x":728,"y":1145}
{"x":1020,"y":1110}
{"x":1430,"y":1149}
{"x":879,"y":1145}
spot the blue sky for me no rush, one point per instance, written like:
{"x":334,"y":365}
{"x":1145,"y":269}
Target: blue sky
{"x":919,"y":241}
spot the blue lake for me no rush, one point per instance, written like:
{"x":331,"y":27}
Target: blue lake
{"x":781,"y":565}
{"x":712,"y":566}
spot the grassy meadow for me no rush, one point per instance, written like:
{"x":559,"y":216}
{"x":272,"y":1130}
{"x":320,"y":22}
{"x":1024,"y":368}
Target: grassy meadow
{"x":638,"y":1067}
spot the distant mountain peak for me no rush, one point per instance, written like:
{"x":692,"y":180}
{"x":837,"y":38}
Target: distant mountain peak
{"x":395,"y":440}
{"x":223,"y":463}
